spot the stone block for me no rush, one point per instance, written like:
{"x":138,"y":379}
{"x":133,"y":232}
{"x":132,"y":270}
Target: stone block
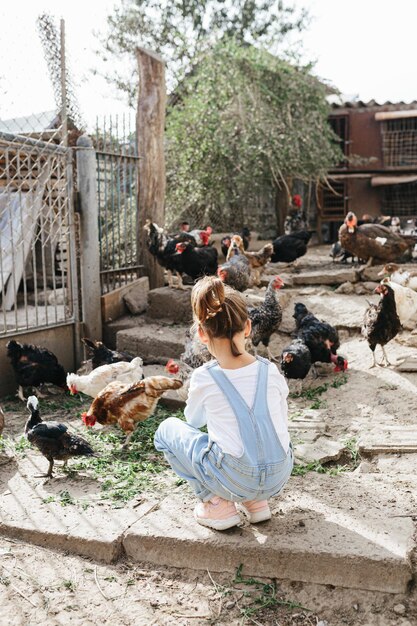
{"x":136,"y":299}
{"x":322,"y":450}
{"x":319,"y":277}
{"x":170,"y":303}
{"x":153,"y":340}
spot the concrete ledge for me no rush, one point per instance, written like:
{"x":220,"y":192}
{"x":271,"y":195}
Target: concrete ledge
{"x":31,"y":509}
{"x":321,"y":532}
{"x":318,"y":544}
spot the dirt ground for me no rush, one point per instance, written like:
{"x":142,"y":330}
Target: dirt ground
{"x":38,"y":586}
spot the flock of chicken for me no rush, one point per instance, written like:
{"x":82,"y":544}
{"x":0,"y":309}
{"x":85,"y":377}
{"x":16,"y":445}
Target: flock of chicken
{"x":121,"y":395}
{"x":192,"y":253}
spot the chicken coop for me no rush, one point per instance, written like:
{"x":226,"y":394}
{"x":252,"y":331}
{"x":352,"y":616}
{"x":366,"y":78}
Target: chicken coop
{"x":378,"y":174}
{"x":38,"y":265}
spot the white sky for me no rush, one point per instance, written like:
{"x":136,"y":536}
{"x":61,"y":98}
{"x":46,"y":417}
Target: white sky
{"x":364,"y":47}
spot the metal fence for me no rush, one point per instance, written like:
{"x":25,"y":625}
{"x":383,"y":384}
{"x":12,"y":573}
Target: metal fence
{"x":37,"y":234}
{"x":117,"y":179}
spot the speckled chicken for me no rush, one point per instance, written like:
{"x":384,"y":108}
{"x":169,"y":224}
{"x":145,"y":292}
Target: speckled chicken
{"x":267,"y":317}
{"x":381,"y":322}
{"x":128,"y":404}
{"x":53,"y":439}
{"x":236,"y":272}
{"x":195,"y":355}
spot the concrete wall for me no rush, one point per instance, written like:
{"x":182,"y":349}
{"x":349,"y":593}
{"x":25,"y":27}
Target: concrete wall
{"x":60,"y":340}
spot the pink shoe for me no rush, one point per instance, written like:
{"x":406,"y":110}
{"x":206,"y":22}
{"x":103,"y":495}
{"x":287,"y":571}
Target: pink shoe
{"x":218,"y":513}
{"x":256,"y":510}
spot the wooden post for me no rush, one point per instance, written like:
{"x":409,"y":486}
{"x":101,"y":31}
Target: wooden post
{"x":150,"y":124}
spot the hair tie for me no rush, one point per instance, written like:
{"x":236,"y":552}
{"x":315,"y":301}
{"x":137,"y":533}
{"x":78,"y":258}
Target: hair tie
{"x":211,"y":314}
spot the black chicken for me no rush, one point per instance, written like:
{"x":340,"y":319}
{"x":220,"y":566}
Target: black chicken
{"x":53,"y":439}
{"x":321,"y":338}
{"x":163,"y":248}
{"x":267,"y":317}
{"x":296,"y":360}
{"x":287,"y":248}
{"x":197,"y":262}
{"x":101,"y":355}
{"x":381,"y":322}
{"x":34,"y":366}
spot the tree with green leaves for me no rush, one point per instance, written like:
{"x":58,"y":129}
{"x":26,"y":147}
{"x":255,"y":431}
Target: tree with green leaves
{"x":244,"y":123}
{"x":180,"y":30}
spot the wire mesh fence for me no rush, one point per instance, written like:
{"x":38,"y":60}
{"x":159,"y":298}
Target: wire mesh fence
{"x":117,"y":177}
{"x":37,"y":252}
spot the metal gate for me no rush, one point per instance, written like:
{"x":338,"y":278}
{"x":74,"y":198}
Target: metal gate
{"x":117,"y":176}
{"x":38,"y":269}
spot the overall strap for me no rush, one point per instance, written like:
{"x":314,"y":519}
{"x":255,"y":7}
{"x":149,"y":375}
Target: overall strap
{"x":245,"y":417}
{"x":261,"y":395}
{"x":273,"y":446}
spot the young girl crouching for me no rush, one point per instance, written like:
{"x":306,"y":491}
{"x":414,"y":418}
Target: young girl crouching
{"x":246,"y":456}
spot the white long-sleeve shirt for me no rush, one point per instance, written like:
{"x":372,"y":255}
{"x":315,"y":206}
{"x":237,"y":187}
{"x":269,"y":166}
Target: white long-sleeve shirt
{"x":207,"y":405}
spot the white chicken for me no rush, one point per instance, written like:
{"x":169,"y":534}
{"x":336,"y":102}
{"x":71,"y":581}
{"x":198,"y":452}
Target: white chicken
{"x":405,"y":302}
{"x":92,"y":383}
{"x":399,"y":275}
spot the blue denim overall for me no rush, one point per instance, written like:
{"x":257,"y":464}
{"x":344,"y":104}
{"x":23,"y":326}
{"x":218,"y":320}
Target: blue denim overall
{"x":262,"y":470}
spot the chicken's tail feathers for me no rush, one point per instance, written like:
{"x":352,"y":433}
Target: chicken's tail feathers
{"x":33,"y":404}
{"x":136,"y":386}
{"x":81,"y":447}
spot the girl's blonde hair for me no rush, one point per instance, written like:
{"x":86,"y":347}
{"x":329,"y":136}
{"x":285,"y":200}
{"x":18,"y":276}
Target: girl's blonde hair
{"x":219,"y":310}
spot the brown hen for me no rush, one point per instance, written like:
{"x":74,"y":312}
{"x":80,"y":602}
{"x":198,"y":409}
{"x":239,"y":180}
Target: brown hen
{"x":127,"y":404}
{"x":373,"y":242}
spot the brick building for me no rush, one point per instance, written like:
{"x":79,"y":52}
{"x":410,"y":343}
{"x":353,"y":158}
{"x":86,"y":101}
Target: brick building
{"x":379,"y":174}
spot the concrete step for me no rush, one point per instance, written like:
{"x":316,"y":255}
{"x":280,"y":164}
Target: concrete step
{"x":319,"y":533}
{"x":153,"y":340}
{"x":110,"y":329}
{"x":389,"y":439}
{"x":170,"y":303}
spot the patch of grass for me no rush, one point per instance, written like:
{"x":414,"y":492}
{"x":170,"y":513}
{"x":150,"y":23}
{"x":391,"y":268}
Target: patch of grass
{"x":49,"y":499}
{"x":302,"y":469}
{"x":262,"y":596}
{"x":69,"y":584}
{"x":351,"y":445}
{"x":313,"y":392}
{"x":352,"y":457}
{"x":65,"y":498}
{"x":22,"y":444}
{"x":124,"y":474}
